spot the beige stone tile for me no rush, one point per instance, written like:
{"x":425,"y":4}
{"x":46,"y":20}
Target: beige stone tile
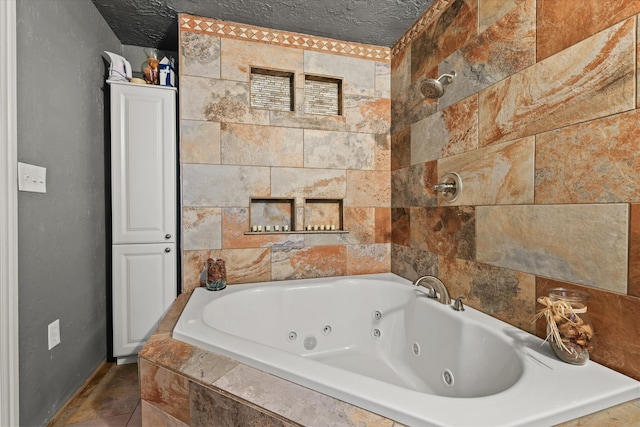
{"x":306,"y":183}
{"x":211,"y":408}
{"x":261,"y":145}
{"x":490,"y":11}
{"x":412,"y":263}
{"x":584,"y":244}
{"x":368,"y":259}
{"x":300,"y":119}
{"x":358,"y":75}
{"x":448,"y":231}
{"x":201,"y":228}
{"x":223,"y":186}
{"x":367,"y":114}
{"x":311,"y":408}
{"x":329,"y":239}
{"x":604,"y":165}
{"x":110,"y":421}
{"x":633,"y":287}
{"x":443,"y":36}
{"x":164,"y":389}
{"x":401,"y":149}
{"x":206,"y":367}
{"x":199,"y":142}
{"x":308,"y":262}
{"x":243,"y":265}
{"x":505,"y":294}
{"x":554,"y":34}
{"x":383,"y":225}
{"x":368,"y":188}
{"x":136,"y":417}
{"x":507,"y":46}
{"x":235,"y":222}
{"x":199,"y":55}
{"x":214,"y":100}
{"x":383,"y":152}
{"x":168,"y":322}
{"x":114,"y":398}
{"x":400,"y":226}
{"x":497,"y":174}
{"x":591,"y":79}
{"x":407,"y":104}
{"x":382,"y":80}
{"x":238,"y":56}
{"x":446,"y":133}
{"x":161,"y":352}
{"x":152,"y":416}
{"x":413,"y":186}
{"x":339,"y":150}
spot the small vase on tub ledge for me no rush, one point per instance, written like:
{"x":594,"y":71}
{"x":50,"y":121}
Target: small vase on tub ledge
{"x":569,"y":329}
{"x":214,"y":275}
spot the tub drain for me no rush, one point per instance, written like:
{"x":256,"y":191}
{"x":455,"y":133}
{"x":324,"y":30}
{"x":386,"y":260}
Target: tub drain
{"x":447,"y":377}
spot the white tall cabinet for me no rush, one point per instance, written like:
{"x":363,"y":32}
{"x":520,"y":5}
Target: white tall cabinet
{"x":143,"y":208}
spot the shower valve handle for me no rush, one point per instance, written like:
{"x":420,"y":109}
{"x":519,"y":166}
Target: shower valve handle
{"x":448,"y":187}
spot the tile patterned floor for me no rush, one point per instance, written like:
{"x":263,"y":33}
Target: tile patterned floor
{"x":111,"y":399}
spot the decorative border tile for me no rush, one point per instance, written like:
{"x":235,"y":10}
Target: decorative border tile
{"x":421,"y":23}
{"x":284,"y":38}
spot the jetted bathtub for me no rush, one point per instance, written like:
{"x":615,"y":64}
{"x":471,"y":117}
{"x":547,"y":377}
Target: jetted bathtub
{"x":376,"y":341}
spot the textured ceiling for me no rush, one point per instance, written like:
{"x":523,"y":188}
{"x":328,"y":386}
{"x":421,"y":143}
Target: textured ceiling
{"x":153,"y":23}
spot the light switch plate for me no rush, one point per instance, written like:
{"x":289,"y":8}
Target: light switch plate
{"x":32,"y":178}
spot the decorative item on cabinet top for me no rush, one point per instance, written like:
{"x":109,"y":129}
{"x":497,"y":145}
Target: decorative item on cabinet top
{"x":278,"y":215}
{"x":155,"y":71}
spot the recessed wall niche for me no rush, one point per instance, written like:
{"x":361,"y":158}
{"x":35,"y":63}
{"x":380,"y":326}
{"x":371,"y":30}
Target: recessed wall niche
{"x":322,"y":95}
{"x":272,"y":212}
{"x":272,"y":89}
{"x":324,"y":212}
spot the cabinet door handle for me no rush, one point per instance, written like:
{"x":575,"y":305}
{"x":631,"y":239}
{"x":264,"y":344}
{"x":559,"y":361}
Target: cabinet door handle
{"x":167,"y":236}
{"x":167,"y":250}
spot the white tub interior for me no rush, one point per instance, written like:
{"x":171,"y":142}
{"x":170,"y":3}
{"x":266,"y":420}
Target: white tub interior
{"x":377,"y":342}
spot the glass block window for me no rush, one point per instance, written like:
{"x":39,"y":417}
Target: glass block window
{"x":271,"y":89}
{"x":322,"y":95}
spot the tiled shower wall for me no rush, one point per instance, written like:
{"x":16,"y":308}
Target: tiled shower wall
{"x":542,"y":124}
{"x":231,"y":152}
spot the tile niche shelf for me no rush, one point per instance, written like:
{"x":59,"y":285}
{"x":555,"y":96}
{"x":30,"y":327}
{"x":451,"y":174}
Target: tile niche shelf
{"x":281,"y":212}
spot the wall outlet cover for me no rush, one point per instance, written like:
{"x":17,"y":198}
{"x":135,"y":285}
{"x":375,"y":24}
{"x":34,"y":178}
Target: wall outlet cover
{"x":54,"y":333}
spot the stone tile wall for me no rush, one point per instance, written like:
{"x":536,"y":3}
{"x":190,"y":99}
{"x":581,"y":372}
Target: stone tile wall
{"x":542,"y":124}
{"x":231,"y":152}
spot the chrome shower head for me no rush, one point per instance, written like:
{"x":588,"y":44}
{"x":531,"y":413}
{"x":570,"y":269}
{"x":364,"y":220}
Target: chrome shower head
{"x":434,"y":88}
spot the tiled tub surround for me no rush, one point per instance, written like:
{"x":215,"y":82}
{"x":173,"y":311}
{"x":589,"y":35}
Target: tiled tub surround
{"x":542,"y":124}
{"x":231,"y":153}
{"x":376,"y":341}
{"x":183,"y":385}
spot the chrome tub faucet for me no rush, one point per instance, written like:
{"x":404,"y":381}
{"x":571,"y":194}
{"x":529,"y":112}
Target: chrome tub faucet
{"x":435,"y":289}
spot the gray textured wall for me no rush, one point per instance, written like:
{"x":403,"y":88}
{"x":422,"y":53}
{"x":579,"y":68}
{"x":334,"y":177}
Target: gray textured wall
{"x":61,"y":233}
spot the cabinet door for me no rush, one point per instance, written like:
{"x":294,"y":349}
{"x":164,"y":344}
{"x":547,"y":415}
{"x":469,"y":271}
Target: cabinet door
{"x":143,"y":289}
{"x":143,"y":164}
